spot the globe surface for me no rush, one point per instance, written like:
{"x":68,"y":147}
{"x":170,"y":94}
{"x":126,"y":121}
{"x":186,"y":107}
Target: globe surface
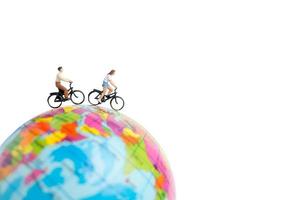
{"x":82,"y":152}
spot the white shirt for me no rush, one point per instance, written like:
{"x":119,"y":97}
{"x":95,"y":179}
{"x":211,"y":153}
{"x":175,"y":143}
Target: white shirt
{"x":107,"y":78}
{"x":61,"y":77}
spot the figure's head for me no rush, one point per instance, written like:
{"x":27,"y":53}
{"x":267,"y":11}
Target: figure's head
{"x":60,"y":68}
{"x":112,"y":72}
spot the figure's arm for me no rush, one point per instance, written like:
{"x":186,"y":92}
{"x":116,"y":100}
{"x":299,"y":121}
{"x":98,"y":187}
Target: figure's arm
{"x":63,"y":78}
{"x":112,"y":83}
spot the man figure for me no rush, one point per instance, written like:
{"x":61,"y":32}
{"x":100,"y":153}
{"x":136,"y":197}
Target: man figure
{"x":60,"y":77}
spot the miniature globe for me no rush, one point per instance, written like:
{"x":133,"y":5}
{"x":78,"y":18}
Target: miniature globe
{"x":86,"y":153}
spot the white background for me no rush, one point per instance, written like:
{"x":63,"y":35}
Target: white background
{"x":215,"y":82}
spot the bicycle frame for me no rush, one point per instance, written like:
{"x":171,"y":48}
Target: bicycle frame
{"x":70,"y":90}
{"x":76,"y":96}
{"x":109,"y":96}
{"x":60,"y":93}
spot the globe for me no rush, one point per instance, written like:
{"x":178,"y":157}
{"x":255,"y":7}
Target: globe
{"x":83,"y":152}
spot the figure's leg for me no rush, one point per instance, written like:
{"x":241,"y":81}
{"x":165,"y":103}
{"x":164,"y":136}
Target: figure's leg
{"x":66,"y":93}
{"x":61,"y":87}
{"x":110,"y":89}
{"x":103,"y":93}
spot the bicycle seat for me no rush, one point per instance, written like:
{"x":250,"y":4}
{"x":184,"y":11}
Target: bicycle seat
{"x":97,"y":90}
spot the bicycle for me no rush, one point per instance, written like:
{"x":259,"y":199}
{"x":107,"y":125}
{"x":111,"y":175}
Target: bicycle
{"x":116,"y":102}
{"x":56,"y":99}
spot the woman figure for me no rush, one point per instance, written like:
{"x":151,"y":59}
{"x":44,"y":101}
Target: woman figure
{"x":107,"y":83}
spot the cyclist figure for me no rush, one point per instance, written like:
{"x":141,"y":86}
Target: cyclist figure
{"x":107,"y":82}
{"x":61,"y":77}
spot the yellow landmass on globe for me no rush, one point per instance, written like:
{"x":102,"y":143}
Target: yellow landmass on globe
{"x":86,"y":128}
{"x":130,"y":137}
{"x":44,"y":119}
{"x":55,"y":137}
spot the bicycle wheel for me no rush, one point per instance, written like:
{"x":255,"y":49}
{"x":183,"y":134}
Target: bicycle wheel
{"x":77,"y":97}
{"x":93,"y":97}
{"x":55,"y":100}
{"x":117,"y":103}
